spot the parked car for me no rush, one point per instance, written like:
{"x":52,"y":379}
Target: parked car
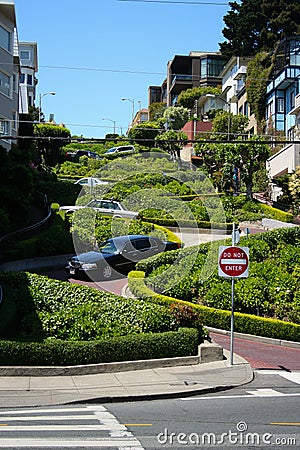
{"x":117,"y":256}
{"x":122,"y":149}
{"x":90,"y":181}
{"x":77,"y":154}
{"x":106,"y":207}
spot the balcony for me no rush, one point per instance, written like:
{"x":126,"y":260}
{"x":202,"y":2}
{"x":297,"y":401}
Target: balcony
{"x":296,"y":109}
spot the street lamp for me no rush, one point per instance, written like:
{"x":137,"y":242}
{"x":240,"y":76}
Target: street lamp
{"x":140,"y":109}
{"x":228,"y":105}
{"x":132,"y":101}
{"x":113,"y":121}
{"x":40,"y":103}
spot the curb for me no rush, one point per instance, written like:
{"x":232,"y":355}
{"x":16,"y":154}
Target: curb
{"x":250,"y":337}
{"x":207,"y":352}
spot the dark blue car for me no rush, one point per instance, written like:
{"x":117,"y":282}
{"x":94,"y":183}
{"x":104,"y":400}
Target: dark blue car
{"x":117,"y":256}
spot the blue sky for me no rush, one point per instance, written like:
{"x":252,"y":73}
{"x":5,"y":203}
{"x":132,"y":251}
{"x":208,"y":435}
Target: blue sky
{"x":96,"y":52}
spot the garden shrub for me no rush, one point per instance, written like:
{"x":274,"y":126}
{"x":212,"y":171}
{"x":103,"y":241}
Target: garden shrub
{"x":217,"y":318}
{"x":54,"y":309}
{"x":183,"y":342}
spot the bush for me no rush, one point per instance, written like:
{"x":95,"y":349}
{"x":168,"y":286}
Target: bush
{"x":217,"y":318}
{"x":54,"y":309}
{"x":184,"y":342}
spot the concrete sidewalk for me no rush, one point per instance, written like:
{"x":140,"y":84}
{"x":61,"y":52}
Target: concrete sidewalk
{"x":143,"y":384}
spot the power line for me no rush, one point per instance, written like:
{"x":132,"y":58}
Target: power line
{"x":181,"y":141}
{"x":175,"y":2}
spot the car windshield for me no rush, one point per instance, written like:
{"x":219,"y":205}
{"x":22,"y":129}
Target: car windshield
{"x":111,"y":150}
{"x":108,"y":247}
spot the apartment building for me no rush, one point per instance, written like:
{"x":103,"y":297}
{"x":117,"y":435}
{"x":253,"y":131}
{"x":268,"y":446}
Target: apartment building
{"x":9,"y":74}
{"x":186,"y":72}
{"x":28,"y":80}
{"x":283,"y":109}
{"x":234,"y":97}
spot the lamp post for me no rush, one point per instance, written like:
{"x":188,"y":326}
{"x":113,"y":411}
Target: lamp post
{"x":113,"y":121}
{"x":132,"y":101}
{"x":228,"y":105}
{"x":40,"y":102}
{"x":140,"y":109}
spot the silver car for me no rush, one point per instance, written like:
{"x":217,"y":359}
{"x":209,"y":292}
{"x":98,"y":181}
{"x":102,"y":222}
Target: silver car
{"x":105,"y":207}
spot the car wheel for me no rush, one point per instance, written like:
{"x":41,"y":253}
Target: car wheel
{"x":106,"y":272}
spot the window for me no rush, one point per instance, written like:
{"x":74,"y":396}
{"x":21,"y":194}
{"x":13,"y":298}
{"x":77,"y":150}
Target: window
{"x":141,"y":244}
{"x":29,"y":79}
{"x":280,"y":105}
{"x":15,"y":83}
{"x":22,"y":78}
{"x":14,"y":120}
{"x":5,"y":39}
{"x":4,"y":127}
{"x":24,"y":54}
{"x":4,"y":84}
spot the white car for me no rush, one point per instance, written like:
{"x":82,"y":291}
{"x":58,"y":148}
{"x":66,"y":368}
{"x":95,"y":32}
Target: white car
{"x":90,"y":182}
{"x":105,"y":207}
{"x":122,"y":149}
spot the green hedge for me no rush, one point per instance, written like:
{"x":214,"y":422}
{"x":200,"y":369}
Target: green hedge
{"x":188,"y":223}
{"x":275,"y":213}
{"x":217,"y":318}
{"x":183,"y":342}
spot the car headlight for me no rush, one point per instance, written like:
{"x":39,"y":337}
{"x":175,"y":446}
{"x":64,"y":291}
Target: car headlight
{"x":89,"y":266}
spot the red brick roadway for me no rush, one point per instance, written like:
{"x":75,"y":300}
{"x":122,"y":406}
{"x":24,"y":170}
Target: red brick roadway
{"x":261,"y":355}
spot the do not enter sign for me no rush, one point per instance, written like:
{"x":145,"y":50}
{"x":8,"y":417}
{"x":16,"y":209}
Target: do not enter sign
{"x":233,"y":261}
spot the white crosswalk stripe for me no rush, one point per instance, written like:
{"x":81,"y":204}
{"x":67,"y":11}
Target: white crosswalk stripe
{"x":291,"y":376}
{"x":265,"y":393}
{"x":45,"y":425}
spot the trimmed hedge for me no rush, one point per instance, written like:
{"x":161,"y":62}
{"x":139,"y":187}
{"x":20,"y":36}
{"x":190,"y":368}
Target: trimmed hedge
{"x":275,"y":213}
{"x":188,"y":223}
{"x":183,"y":342}
{"x":217,"y":318}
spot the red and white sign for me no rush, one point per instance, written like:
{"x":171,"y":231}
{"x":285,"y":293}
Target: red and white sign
{"x":233,"y":262}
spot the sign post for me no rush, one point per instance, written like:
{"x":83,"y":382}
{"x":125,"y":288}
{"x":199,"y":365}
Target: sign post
{"x":233,"y":263}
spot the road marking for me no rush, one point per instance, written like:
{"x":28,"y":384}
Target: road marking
{"x":54,"y":427}
{"x":293,"y":424}
{"x":52,"y":410}
{"x":119,"y":436}
{"x":59,"y":418}
{"x":58,"y":443}
{"x":138,"y":424}
{"x":265,"y":393}
{"x":233,"y":397}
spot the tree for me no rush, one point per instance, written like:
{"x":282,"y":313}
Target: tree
{"x":171,"y":141}
{"x":294,"y":186}
{"x":52,"y":139}
{"x":156,"y":110}
{"x":188,"y":97}
{"x":175,"y":117}
{"x":228,"y":126}
{"x":248,"y":158}
{"x":258,"y":72}
{"x":256,"y":25}
{"x":144,"y":133}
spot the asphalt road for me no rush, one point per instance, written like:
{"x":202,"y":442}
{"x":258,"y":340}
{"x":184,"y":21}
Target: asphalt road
{"x":263,"y":414}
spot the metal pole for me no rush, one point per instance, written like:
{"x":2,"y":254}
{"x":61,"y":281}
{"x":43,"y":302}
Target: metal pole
{"x":232,"y":321}
{"x":40,"y":107}
{"x":228,"y":125}
{"x":232,"y":305}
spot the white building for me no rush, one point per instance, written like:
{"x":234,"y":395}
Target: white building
{"x":9,"y":74}
{"x":28,"y":81}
